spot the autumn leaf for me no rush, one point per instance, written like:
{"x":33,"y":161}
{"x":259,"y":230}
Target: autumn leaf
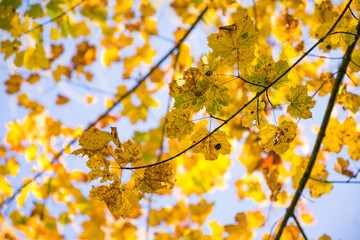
{"x":199,"y":90}
{"x":254,"y":114}
{"x":94,"y":139}
{"x":279,"y":138}
{"x":234,"y":43}
{"x":61,"y":100}
{"x":341,"y":167}
{"x":212,"y":146}
{"x":200,"y":211}
{"x":264,"y":73}
{"x":13,"y":84}
{"x":128,"y":153}
{"x":155,"y":178}
{"x":300,"y":103}
{"x":179,"y":124}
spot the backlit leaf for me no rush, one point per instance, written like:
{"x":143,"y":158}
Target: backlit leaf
{"x":211,"y":147}
{"x":300,"y":103}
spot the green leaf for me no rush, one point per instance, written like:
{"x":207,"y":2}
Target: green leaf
{"x":300,"y":102}
{"x":35,"y":11}
{"x":95,"y":13}
{"x":216,"y":98}
{"x":14,"y":3}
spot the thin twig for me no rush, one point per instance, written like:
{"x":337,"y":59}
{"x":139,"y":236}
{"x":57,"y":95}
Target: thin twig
{"x":326,"y":181}
{"x":320,"y":56}
{"x":255,"y":84}
{"x":353,"y":14}
{"x":353,"y":34}
{"x":352,"y":61}
{"x":299,"y":226}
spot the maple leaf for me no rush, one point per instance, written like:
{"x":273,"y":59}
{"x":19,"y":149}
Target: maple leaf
{"x":199,"y":90}
{"x":279,"y":138}
{"x":300,"y":102}
{"x":212,"y":146}
{"x":216,"y":98}
{"x":128,"y":153}
{"x":254,"y":112}
{"x":178,"y":125}
{"x":235,"y":43}
{"x":155,"y":178}
{"x":94,"y":139}
{"x":264,"y":73}
{"x":200,"y":211}
{"x":120,"y":201}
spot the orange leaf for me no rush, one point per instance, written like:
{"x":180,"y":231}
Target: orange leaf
{"x":61,"y":100}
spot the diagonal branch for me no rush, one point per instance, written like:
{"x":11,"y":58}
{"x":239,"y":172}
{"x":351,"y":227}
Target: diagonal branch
{"x":321,"y":135}
{"x":102,"y":116}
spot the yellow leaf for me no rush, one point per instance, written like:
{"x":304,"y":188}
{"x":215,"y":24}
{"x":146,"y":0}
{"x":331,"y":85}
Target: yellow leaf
{"x":250,"y":187}
{"x":13,"y":84}
{"x":155,"y":178}
{"x":61,"y":70}
{"x":179,"y":124}
{"x":324,"y":237}
{"x":94,"y":139}
{"x":254,"y":113}
{"x":279,"y":138}
{"x":31,"y":153}
{"x":235,"y":43}
{"x":255,"y":219}
{"x":307,"y":218}
{"x":199,"y":212}
{"x":6,"y":188}
{"x":217,"y":230}
{"x":340,"y":167}
{"x":213,"y":145}
{"x":110,"y":55}
{"x":130,"y":152}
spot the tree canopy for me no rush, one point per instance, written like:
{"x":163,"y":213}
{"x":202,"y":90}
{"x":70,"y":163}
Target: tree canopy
{"x":182,"y":119}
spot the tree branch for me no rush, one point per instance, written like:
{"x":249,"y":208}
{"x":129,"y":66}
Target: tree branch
{"x":321,"y":135}
{"x":299,"y":226}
